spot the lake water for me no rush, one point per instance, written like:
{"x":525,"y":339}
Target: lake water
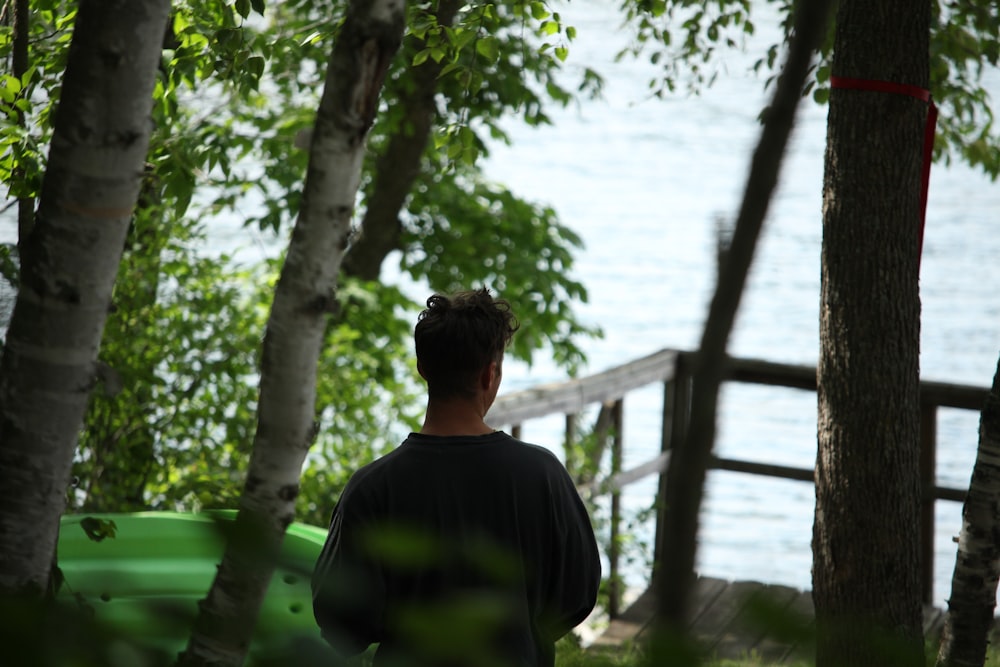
{"x":643,"y":181}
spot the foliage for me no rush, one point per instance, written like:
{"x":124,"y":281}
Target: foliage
{"x":173,"y":415}
{"x":172,"y":427}
{"x":684,"y":38}
{"x":964,"y":44}
{"x":492,"y":69}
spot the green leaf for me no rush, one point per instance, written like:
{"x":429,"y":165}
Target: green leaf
{"x":242,"y":7}
{"x":10,"y":86}
{"x":488,"y":48}
{"x":449,"y":68}
{"x":312,"y":38}
{"x":255,"y":64}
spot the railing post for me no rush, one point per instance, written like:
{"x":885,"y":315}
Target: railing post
{"x":614,"y":549}
{"x":568,"y":455}
{"x":676,"y":400}
{"x":928,"y":482}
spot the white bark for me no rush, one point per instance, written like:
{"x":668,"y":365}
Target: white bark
{"x":977,"y":566}
{"x":368,"y":41}
{"x":70,"y":259}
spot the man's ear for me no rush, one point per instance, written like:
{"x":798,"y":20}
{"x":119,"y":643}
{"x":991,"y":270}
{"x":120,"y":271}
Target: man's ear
{"x":420,"y":370}
{"x":489,"y":375}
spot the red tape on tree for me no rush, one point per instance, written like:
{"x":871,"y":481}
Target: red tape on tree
{"x":910,"y":91}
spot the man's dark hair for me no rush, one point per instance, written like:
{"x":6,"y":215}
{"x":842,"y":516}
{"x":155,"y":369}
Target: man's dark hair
{"x":457,"y":336}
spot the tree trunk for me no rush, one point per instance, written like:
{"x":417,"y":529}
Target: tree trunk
{"x":675,"y":576}
{"x":304,"y":297}
{"x":866,"y":534}
{"x":977,"y":568}
{"x":398,"y":167}
{"x":69,"y":261}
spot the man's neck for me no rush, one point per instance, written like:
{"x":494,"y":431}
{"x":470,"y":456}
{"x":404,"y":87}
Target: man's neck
{"x":454,"y":417}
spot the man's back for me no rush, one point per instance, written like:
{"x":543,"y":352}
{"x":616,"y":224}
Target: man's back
{"x":458,"y":550}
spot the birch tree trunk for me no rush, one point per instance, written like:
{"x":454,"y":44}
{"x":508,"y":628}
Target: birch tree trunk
{"x":305,"y":295}
{"x":866,"y":530}
{"x":68,"y":266}
{"x":977,"y":568}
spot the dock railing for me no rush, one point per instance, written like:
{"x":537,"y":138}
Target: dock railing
{"x":671,"y":369}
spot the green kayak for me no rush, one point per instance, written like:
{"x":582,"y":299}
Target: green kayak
{"x":145,"y":581}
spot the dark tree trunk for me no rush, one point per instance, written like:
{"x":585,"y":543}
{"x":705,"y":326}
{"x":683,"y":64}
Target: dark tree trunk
{"x":977,"y":567}
{"x":866,"y":536}
{"x":68,"y":266}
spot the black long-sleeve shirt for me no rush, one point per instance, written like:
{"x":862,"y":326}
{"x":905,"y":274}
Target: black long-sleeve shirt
{"x":457,"y":551}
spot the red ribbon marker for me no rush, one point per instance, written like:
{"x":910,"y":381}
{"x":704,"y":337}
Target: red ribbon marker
{"x":910,"y":91}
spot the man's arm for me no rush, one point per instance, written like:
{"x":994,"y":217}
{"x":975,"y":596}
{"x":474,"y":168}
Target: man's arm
{"x":348,"y":590}
{"x":575,"y":576}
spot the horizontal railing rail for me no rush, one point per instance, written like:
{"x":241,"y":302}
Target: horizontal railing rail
{"x":572,"y":396}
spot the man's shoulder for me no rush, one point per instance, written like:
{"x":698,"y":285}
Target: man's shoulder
{"x":376,"y":467}
{"x":536,"y":457}
{"x":531,"y":450}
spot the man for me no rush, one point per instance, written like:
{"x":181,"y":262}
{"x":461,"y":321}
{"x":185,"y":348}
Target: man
{"x":463,"y":547}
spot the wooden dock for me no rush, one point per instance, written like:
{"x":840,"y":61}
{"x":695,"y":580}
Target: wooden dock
{"x":736,"y":620}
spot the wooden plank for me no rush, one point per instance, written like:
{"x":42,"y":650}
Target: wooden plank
{"x":787,"y":623}
{"x":621,"y":480}
{"x":766,"y":469}
{"x":634,"y":623}
{"x":758,"y":371}
{"x":706,"y":593}
{"x":804,"y":648}
{"x":755,"y":616}
{"x":574,"y":395}
{"x":716,"y":620}
{"x":948,"y":395}
{"x":630,"y":623}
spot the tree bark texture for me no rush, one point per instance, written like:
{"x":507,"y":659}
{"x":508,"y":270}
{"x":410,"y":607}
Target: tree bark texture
{"x":398,"y":167}
{"x":303,"y":300}
{"x":977,"y":567}
{"x":69,"y":261}
{"x":866,"y":535}
{"x":675,"y":575}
